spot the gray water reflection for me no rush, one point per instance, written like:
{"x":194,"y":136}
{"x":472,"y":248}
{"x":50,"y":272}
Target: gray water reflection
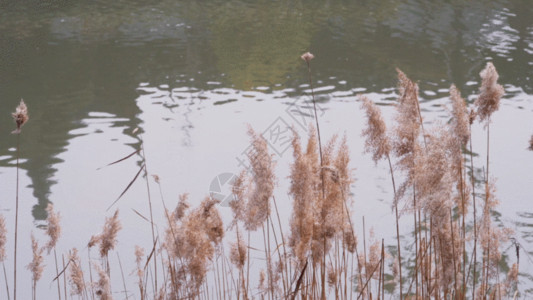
{"x":80,"y":63}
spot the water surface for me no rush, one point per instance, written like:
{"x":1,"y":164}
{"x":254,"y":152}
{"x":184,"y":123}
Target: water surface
{"x":191,"y":75}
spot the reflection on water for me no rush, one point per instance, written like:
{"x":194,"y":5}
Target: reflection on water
{"x":91,"y":72}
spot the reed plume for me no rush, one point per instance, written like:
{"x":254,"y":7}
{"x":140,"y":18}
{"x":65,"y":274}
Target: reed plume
{"x":3,"y":238}
{"x":460,"y":117}
{"x":432,"y":174}
{"x":239,"y":190}
{"x":77,"y":282}
{"x":191,"y":242}
{"x":182,"y":206}
{"x":307,"y":57}
{"x":20,"y":116}
{"x":459,"y":137}
{"x":139,"y":253}
{"x":317,"y":220}
{"x":305,"y":181}
{"x":103,"y":286}
{"x":378,"y":143}
{"x":53,"y":230}
{"x":490,"y":93}
{"x":460,"y":132}
{"x":36,"y":265}
{"x":108,"y":237}
{"x":238,"y":253}
{"x":405,"y":143}
{"x":530,"y":144}
{"x":258,"y":208}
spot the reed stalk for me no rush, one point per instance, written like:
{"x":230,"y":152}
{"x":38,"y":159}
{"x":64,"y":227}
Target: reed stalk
{"x":150,"y":207}
{"x":16,"y":225}
{"x":20,"y":117}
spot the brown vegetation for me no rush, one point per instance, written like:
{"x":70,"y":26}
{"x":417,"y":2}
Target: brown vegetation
{"x":320,"y":256}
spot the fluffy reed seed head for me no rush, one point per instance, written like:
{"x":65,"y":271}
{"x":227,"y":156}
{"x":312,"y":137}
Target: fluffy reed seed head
{"x":238,"y":253}
{"x":350,"y":239}
{"x":3,"y":238}
{"x":199,"y":234}
{"x":258,"y":208}
{"x":408,"y":119}
{"x":531,"y":143}
{"x":305,"y":180}
{"x":93,"y":241}
{"x":472,"y":116}
{"x":77,"y":282}
{"x":53,"y":229}
{"x":406,"y":133}
{"x":262,"y":287}
{"x":316,"y":219}
{"x":36,"y":265}
{"x":213,"y":225}
{"x":490,"y":93}
{"x":108,"y":237}
{"x":103,"y":286}
{"x":461,"y":119}
{"x":182,"y":206}
{"x":307,"y":56}
{"x":238,"y":204}
{"x":20,"y":116}
{"x":377,"y":142}
{"x":139,"y":253}
{"x":432,"y":175}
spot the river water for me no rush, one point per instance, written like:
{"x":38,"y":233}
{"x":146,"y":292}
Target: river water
{"x":192,"y":75}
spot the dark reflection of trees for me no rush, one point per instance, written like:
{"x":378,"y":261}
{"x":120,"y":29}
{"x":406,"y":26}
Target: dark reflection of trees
{"x":61,"y":84}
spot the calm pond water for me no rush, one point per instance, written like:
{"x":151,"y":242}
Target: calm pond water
{"x":192,"y":74}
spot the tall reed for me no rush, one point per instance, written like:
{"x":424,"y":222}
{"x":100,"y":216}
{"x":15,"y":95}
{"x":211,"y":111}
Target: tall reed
{"x":379,"y":144}
{"x":21,"y":117}
{"x":36,"y":265}
{"x":53,"y":230}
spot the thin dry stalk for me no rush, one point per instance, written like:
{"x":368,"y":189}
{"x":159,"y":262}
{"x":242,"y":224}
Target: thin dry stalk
{"x":5,"y":279}
{"x":21,"y":117}
{"x":122,"y":274}
{"x":154,"y":240}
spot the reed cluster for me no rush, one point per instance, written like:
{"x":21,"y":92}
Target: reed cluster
{"x":453,"y":250}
